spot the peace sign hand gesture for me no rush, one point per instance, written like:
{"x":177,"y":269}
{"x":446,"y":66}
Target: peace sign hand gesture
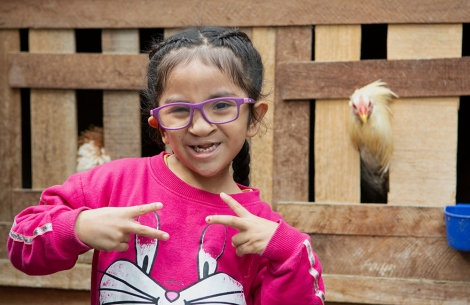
{"x":255,"y":232}
{"x":110,"y":228}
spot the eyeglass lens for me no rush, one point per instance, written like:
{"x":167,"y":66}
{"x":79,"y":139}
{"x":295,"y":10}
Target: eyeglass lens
{"x":179,"y":114}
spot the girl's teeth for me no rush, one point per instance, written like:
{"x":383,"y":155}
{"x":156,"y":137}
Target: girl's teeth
{"x":205,"y":149}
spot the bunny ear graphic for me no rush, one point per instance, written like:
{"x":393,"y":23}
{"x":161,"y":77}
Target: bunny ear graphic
{"x":212,"y":247}
{"x":146,"y":247}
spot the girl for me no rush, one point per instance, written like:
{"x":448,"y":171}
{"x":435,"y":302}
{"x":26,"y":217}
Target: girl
{"x":201,"y":246}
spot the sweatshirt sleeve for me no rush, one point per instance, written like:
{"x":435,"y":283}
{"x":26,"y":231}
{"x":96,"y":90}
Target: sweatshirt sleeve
{"x":42,"y":239}
{"x":291,"y":272}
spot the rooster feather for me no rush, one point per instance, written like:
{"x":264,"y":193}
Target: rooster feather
{"x":370,"y":131}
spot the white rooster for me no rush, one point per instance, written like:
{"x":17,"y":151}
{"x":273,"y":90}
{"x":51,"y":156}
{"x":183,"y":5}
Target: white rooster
{"x":371,"y":132}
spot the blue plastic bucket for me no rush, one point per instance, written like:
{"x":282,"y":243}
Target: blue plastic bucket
{"x":458,"y":226}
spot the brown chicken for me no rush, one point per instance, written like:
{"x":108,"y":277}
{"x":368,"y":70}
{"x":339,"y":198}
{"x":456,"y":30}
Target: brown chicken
{"x":371,"y":132}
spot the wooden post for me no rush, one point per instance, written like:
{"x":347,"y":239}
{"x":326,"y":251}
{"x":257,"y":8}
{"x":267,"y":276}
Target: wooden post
{"x":121,"y":109}
{"x":53,"y":117}
{"x":423,"y":166}
{"x":291,"y":121}
{"x":264,"y":40}
{"x":10,"y":127}
{"x":337,"y":163}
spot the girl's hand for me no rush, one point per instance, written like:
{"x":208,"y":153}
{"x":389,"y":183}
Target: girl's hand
{"x":110,"y":228}
{"x":255,"y":232}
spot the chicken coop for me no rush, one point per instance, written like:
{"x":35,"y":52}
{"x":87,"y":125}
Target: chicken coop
{"x":69,"y":65}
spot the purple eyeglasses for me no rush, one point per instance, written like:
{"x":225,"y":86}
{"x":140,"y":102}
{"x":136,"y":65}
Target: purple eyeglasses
{"x":220,"y":110}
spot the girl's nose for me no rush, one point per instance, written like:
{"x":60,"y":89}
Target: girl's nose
{"x":199,"y":126}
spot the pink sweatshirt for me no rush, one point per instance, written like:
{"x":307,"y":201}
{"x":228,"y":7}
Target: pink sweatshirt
{"x":197,"y":265}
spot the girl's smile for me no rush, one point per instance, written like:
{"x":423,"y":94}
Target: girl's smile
{"x":203,"y":151}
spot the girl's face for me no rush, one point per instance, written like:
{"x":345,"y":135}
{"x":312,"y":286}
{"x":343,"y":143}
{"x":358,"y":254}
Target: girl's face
{"x":204,"y":151}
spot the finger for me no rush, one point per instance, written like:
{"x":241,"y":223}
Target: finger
{"x":126,"y":238}
{"x":231,"y":221}
{"x":234,"y":205}
{"x":122,"y":247}
{"x":143,"y":209}
{"x":146,"y":231}
{"x":239,"y":239}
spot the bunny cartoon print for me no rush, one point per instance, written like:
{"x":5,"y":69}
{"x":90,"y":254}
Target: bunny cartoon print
{"x":126,"y":282}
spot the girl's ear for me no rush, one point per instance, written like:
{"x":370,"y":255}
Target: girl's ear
{"x":260,"y":109}
{"x":154,"y":123}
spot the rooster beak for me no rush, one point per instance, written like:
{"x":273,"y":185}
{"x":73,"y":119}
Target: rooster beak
{"x":364,"y":118}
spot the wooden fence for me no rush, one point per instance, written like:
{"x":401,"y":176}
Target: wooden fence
{"x":372,"y":254}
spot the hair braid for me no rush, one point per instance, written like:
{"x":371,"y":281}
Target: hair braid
{"x":171,"y":43}
{"x":233,"y":33}
{"x":241,"y":165}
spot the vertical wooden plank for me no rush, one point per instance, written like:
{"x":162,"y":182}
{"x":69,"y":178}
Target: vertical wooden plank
{"x":53,"y":117}
{"x":291,"y":122}
{"x":121,"y":109}
{"x":423,"y":166}
{"x":10,"y":127}
{"x":264,"y":40}
{"x":337,"y":163}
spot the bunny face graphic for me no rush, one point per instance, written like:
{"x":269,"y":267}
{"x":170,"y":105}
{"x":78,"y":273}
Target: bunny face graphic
{"x":126,"y":282}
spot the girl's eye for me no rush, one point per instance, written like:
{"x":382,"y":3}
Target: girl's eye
{"x":178,"y":109}
{"x":221,"y":105}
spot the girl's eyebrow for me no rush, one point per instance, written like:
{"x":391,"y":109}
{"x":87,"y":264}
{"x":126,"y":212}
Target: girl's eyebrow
{"x":225,"y":93}
{"x":171,"y":100}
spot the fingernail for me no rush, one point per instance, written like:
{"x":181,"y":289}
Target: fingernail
{"x":159,"y":205}
{"x":165,"y":236}
{"x":208,"y":219}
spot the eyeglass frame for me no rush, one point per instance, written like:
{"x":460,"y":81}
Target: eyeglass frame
{"x":238,"y":100}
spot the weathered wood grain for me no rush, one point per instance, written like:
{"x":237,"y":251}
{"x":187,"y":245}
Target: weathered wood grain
{"x":407,"y":77}
{"x":180,"y":13}
{"x":297,"y":80}
{"x":78,"y":71}
{"x":337,"y":171}
{"x":423,"y":166}
{"x":10,"y":126}
{"x":53,"y":117}
{"x":77,"y":278}
{"x":43,"y":296}
{"x":424,"y":158}
{"x":380,"y":290}
{"x":121,"y":110}
{"x":262,"y":148}
{"x":396,"y":257}
{"x":364,"y":219}
{"x":291,"y":127}
{"x":23,"y":198}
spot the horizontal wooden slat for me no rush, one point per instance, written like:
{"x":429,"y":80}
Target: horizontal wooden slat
{"x":77,"y":278}
{"x":379,"y":290}
{"x":407,"y":78}
{"x":300,"y":80}
{"x":43,"y":296}
{"x":181,"y":13}
{"x":78,"y":71}
{"x":364,"y":219}
{"x":398,"y":257}
{"x":23,"y":198}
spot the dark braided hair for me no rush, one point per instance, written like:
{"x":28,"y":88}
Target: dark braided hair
{"x":228,"y":49}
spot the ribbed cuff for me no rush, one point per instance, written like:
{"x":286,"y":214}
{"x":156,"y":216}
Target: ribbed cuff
{"x":64,"y":233}
{"x":284,"y":243}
